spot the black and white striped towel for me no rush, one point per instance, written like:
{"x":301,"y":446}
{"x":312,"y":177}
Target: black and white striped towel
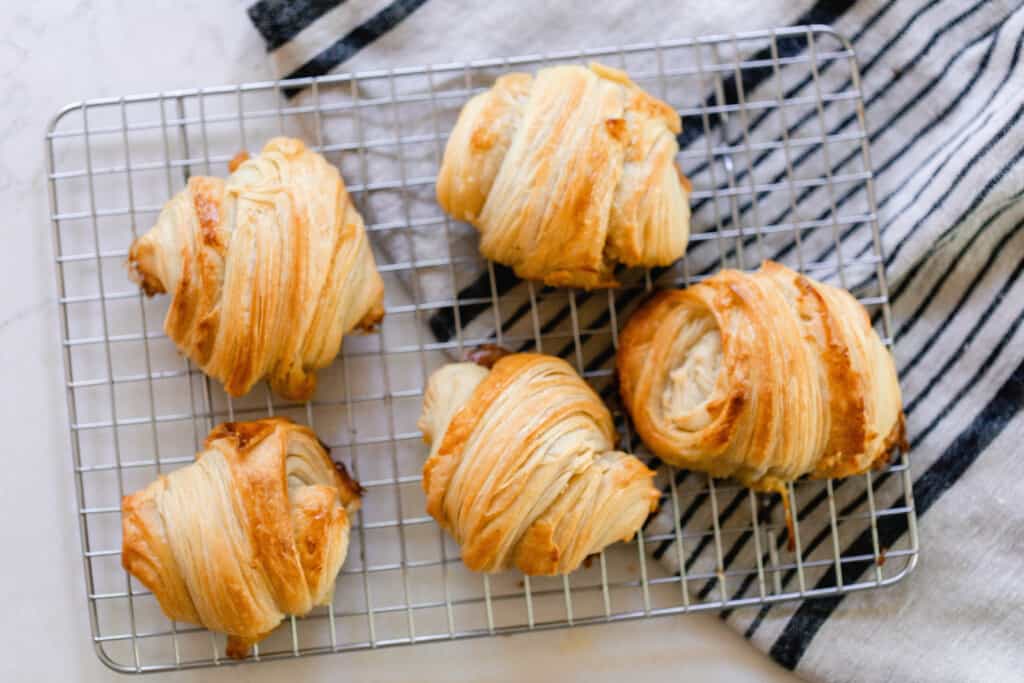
{"x":943,"y":85}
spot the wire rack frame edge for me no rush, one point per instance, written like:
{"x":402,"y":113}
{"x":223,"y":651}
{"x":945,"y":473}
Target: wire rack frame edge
{"x":403,"y":582}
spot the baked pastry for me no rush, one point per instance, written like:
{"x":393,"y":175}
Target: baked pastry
{"x":268,"y":270}
{"x":522,"y":470}
{"x":255,"y":529}
{"x":764,"y":376}
{"x":568,"y":173}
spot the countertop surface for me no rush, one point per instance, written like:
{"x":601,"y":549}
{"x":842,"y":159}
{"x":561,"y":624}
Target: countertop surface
{"x":53,"y":53}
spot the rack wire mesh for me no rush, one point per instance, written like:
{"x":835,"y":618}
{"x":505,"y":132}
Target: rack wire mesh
{"x":785,"y":105}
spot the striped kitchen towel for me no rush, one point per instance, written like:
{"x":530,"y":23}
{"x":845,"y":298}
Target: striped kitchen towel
{"x":942,"y":83}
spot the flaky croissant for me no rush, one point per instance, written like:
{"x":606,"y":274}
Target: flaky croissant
{"x":765,"y":377}
{"x":268,"y":270}
{"x":567,"y":173}
{"x":521,"y":469}
{"x":255,"y":529}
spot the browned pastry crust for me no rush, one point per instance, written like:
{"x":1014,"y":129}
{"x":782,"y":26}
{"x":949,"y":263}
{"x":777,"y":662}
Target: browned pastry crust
{"x":486,"y":355}
{"x":522,"y":471}
{"x":765,"y":376}
{"x":268,"y":269}
{"x":568,"y":173}
{"x":255,"y":529}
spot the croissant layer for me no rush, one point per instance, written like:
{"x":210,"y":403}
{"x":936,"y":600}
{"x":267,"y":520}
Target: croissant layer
{"x":765,"y":376}
{"x":267,"y":269}
{"x":522,"y":470}
{"x":568,"y":173}
{"x":255,"y":529}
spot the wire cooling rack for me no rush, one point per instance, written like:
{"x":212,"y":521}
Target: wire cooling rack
{"x":774,"y":125}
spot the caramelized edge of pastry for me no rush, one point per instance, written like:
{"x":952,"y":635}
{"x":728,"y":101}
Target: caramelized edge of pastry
{"x":486,"y":355}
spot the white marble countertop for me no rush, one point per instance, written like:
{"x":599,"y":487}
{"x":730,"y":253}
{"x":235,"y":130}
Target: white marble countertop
{"x":56,"y":52}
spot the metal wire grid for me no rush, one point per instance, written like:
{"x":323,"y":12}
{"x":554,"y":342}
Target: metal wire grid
{"x":137,"y":409}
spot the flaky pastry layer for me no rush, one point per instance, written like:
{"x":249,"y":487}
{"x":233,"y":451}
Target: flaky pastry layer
{"x":522,"y":470}
{"x":268,"y":270}
{"x":766,"y":376}
{"x":256,"y":529}
{"x":567,"y":174}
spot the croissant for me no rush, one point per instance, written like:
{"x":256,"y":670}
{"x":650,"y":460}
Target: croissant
{"x":765,"y":377}
{"x":255,"y":529}
{"x":521,"y":469}
{"x":268,"y":270}
{"x":568,"y":173}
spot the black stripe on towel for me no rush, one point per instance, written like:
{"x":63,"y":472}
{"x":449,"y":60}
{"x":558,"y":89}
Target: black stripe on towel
{"x":278,"y":21}
{"x":824,"y":12}
{"x":976,"y":123}
{"x":822,"y":70}
{"x":949,"y":155}
{"x":355,"y":40}
{"x":976,"y":201}
{"x":965,"y":450}
{"x":810,"y":151}
{"x":950,"y":152}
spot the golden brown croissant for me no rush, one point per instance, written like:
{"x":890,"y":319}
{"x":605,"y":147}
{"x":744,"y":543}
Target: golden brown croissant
{"x":765,"y":376}
{"x":521,"y":470}
{"x":268,"y":270}
{"x":567,"y":173}
{"x":255,"y":529}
